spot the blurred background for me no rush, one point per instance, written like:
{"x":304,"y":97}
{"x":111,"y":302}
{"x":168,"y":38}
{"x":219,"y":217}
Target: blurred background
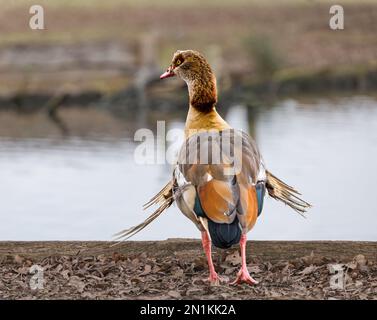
{"x":73,"y":95}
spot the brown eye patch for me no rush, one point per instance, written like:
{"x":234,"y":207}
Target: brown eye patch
{"x":178,"y":60}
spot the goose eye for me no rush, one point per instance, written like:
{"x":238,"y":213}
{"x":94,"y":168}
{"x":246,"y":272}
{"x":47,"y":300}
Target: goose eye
{"x":178,"y":62}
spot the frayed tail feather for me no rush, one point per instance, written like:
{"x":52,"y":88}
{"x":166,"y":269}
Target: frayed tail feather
{"x":161,"y":197}
{"x":164,"y":199}
{"x":279,"y":190}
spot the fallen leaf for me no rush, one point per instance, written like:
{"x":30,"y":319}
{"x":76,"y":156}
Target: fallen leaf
{"x":233,"y":258}
{"x":156,"y":269}
{"x":65,"y":274}
{"x":308,"y":270}
{"x":58,"y":268}
{"x":75,"y":281}
{"x":23,"y":270}
{"x":229,"y":270}
{"x":194,"y":291}
{"x":255,"y":269}
{"x":101,"y":258}
{"x":117,"y":257}
{"x":352,"y":265}
{"x":147,"y":270}
{"x":174,"y":294}
{"x":143,"y":255}
{"x":360,"y":259}
{"x":18,"y":259}
{"x":135,"y":262}
{"x":361,"y":262}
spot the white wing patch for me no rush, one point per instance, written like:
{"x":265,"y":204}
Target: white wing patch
{"x":179,"y":177}
{"x":262,"y":172}
{"x":185,"y":196}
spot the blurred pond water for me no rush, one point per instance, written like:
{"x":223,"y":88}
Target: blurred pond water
{"x":87,"y":186}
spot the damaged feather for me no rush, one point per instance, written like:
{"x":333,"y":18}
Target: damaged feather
{"x":279,"y":190}
{"x":164,"y":199}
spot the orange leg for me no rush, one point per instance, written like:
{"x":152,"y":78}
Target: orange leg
{"x":206,"y":241}
{"x":244,"y":275}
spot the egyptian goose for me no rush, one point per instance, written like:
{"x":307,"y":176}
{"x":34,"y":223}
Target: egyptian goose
{"x":222,"y":195}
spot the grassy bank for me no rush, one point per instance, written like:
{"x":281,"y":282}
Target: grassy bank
{"x":100,"y":46}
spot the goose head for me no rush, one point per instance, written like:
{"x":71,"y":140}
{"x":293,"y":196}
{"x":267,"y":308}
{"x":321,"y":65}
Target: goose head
{"x":193,"y":68}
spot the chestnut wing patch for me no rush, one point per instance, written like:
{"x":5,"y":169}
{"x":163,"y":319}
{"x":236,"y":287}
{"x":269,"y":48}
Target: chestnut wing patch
{"x":218,"y":201}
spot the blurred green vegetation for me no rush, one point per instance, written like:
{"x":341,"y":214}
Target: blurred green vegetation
{"x":266,"y":57}
{"x":187,"y":3}
{"x":257,"y":40}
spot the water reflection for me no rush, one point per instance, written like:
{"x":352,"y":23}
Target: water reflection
{"x":87,"y":186}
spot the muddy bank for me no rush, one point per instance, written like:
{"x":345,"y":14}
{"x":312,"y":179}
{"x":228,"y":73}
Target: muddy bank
{"x":241,"y":89}
{"x":358,"y":78}
{"x":176,"y":269}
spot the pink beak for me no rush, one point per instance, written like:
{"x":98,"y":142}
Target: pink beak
{"x":168,"y":73}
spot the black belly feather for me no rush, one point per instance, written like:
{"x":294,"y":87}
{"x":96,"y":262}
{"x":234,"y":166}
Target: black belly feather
{"x":223,"y":235}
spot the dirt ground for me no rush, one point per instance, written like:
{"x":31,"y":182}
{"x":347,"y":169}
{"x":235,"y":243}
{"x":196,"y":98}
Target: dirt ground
{"x":177,"y":269}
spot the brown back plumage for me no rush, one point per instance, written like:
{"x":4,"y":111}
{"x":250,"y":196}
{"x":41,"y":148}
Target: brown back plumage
{"x":224,"y":167}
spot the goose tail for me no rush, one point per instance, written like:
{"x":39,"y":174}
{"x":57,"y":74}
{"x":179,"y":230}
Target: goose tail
{"x":280,"y":191}
{"x":163,"y":199}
